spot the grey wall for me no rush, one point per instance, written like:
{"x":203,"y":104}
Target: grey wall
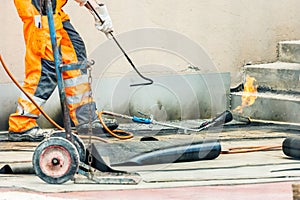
{"x":173,"y":97}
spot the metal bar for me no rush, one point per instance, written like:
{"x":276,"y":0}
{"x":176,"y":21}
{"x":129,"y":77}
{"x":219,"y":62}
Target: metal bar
{"x":99,"y":177}
{"x":75,"y":66}
{"x":150,"y":81}
{"x":58,"y":61}
{"x":69,"y":67}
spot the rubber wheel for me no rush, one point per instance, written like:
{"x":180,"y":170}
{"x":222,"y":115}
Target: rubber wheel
{"x":55,"y":160}
{"x":76,"y":141}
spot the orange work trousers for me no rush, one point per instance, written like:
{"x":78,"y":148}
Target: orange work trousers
{"x":40,"y":75}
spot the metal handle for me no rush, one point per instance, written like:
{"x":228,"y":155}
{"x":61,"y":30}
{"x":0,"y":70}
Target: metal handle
{"x":150,"y":81}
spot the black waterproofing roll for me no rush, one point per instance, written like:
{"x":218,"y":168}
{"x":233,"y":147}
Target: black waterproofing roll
{"x":17,"y":168}
{"x":193,"y":152}
{"x":154,"y":152}
{"x":291,"y":147}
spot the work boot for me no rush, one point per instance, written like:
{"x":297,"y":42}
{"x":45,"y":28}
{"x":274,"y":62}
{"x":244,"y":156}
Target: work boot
{"x":97,"y":128}
{"x":35,"y":134}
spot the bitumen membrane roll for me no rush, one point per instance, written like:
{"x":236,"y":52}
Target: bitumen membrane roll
{"x":152,"y":152}
{"x":17,"y":168}
{"x":291,"y":147}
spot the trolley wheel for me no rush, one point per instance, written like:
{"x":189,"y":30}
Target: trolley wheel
{"x":79,"y":144}
{"x":55,"y":160}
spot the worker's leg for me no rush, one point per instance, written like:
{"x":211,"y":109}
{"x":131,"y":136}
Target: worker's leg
{"x":76,"y":81}
{"x":82,"y":107}
{"x":39,"y":83}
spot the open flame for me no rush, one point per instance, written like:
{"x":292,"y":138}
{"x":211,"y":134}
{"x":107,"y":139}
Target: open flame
{"x":249,"y":95}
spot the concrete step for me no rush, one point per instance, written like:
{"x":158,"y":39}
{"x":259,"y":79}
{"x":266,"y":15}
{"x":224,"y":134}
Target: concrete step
{"x":279,"y":76}
{"x":270,"y":106}
{"x":289,"y":51}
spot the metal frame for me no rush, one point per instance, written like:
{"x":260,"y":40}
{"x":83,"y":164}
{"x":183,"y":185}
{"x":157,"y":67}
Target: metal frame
{"x":91,"y":175}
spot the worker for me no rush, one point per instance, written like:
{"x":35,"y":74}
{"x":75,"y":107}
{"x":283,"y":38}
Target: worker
{"x":40,"y":76}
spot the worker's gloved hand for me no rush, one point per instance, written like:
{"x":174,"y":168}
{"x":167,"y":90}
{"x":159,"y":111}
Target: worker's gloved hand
{"x":81,"y":2}
{"x":106,"y":27}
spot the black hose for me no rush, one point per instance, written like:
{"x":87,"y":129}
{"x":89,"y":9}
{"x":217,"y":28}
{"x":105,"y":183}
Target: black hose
{"x":150,"y":81}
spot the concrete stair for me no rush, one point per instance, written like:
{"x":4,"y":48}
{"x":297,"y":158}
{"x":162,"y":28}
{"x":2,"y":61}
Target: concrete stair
{"x":278,"y":76}
{"x":289,"y":51}
{"x":278,"y":96}
{"x":270,"y":106}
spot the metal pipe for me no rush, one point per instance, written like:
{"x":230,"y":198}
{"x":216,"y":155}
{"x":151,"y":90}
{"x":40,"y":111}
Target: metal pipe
{"x":58,"y":62}
{"x":220,"y":119}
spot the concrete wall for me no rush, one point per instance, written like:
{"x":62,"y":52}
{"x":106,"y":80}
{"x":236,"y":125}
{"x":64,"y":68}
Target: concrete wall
{"x":231,"y":32}
{"x":173,"y":97}
{"x":164,"y":38}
